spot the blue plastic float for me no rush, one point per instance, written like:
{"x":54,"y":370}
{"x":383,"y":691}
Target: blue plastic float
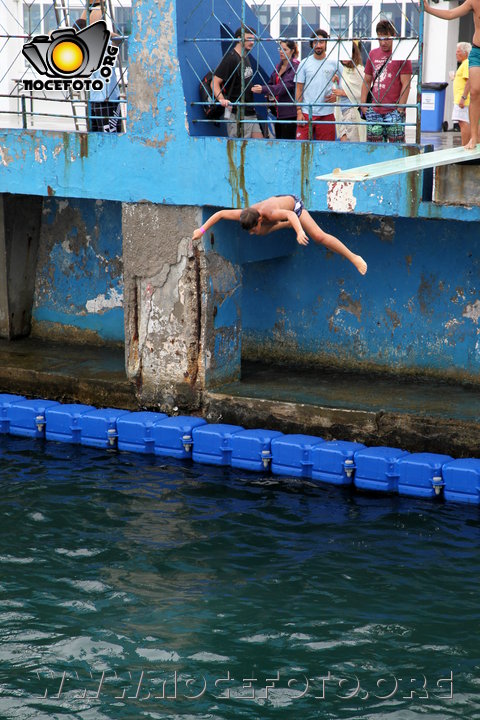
{"x":420,"y":474}
{"x":62,"y":422}
{"x":212,"y":444}
{"x":379,"y":469}
{"x":27,"y":417}
{"x":333,"y":462}
{"x":292,"y":455}
{"x":135,"y":431}
{"x":98,"y":428}
{"x":173,"y":436}
{"x":252,"y":449}
{"x":6,"y":401}
{"x":462,"y":481}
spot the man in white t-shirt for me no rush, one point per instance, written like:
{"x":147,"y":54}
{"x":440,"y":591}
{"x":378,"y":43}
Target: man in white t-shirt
{"x":314,"y":91}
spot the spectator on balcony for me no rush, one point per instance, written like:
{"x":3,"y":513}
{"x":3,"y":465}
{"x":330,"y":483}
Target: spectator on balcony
{"x":473,"y":61}
{"x":105,"y":115}
{"x":227,"y":86}
{"x":461,"y":92}
{"x":348,"y":94}
{"x":281,"y":89}
{"x":314,"y":91}
{"x":389,"y":83}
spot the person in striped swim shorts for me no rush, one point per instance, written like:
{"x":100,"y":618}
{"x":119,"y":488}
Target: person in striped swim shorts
{"x":473,"y":61}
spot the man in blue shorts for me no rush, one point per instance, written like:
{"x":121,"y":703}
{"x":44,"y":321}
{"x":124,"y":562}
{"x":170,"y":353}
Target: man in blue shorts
{"x":473,"y":61}
{"x":282,"y":211}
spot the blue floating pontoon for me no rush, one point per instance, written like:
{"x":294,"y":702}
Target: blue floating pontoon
{"x":62,"y":422}
{"x":6,"y":401}
{"x":292,"y":455}
{"x":462,"y":481}
{"x":376,"y":468}
{"x":27,"y":417}
{"x":251,"y":449}
{"x":212,"y":444}
{"x":337,"y":462}
{"x":98,"y":428}
{"x":334,"y":461}
{"x":173,"y":436}
{"x":420,"y":474}
{"x":135,"y":431}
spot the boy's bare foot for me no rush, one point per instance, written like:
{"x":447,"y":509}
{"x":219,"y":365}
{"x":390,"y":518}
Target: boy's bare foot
{"x":360,"y":264}
{"x":471,"y":145}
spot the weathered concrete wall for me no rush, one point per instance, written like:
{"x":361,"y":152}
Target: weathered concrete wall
{"x":457,"y":184}
{"x":78,"y":278}
{"x":182,"y":313}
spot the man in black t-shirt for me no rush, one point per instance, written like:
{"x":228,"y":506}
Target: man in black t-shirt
{"x":227,"y":86}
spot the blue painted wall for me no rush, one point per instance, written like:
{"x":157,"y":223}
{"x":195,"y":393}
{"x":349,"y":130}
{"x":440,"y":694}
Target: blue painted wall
{"x":415,"y":308}
{"x":79,"y":275}
{"x":162,"y":159}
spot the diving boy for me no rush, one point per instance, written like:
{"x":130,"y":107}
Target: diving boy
{"x":282,"y":211}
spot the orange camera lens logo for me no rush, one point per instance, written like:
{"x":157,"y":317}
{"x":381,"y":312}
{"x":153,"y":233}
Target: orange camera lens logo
{"x":67,"y":56}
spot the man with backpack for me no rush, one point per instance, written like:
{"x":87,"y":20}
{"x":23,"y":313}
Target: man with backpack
{"x":230,"y":88}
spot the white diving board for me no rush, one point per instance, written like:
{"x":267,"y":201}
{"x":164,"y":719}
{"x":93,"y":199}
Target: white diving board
{"x":422,"y":161}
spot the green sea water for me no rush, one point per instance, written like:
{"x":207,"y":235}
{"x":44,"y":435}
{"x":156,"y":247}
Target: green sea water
{"x":134,"y":587}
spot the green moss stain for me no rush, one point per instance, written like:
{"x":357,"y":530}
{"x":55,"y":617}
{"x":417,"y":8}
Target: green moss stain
{"x":83,"y":145}
{"x":241,"y":171}
{"x":233,"y":174}
{"x":236,"y":173}
{"x":306,"y":157}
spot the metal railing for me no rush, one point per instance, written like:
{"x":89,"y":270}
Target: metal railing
{"x":275,"y":21}
{"x":24,"y":105}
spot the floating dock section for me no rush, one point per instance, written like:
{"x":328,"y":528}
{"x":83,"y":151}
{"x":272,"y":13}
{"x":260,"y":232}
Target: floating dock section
{"x":379,"y":469}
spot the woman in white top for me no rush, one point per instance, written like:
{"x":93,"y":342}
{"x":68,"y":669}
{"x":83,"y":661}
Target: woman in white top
{"x":348,"y":93}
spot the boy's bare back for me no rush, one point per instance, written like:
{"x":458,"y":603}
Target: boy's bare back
{"x":280,"y":202}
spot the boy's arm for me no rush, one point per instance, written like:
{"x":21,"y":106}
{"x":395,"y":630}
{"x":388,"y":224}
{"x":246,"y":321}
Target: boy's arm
{"x":466,"y":91}
{"x":405,"y":80}
{"x":449,"y":14}
{"x":218,"y":91}
{"x":289,"y":218}
{"x":279,"y":225}
{"x":220,"y":215}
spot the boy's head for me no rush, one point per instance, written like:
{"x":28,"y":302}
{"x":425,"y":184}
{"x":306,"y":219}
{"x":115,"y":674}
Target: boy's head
{"x":248,"y":38}
{"x":385,"y":34}
{"x":249,"y":219}
{"x":386,"y":28}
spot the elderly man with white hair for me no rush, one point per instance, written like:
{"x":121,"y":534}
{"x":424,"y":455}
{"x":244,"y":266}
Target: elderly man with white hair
{"x":461,"y":92}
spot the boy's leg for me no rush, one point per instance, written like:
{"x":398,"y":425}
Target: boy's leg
{"x":395,"y":132}
{"x":330,"y":241}
{"x":374,"y":129}
{"x":474,"y":110}
{"x":464,"y":131}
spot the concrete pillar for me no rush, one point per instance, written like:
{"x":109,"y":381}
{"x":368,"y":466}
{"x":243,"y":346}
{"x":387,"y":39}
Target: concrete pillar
{"x":20,"y":220}
{"x":182,"y":308}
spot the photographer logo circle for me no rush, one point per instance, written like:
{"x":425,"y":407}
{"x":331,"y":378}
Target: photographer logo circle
{"x":67,"y":57}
